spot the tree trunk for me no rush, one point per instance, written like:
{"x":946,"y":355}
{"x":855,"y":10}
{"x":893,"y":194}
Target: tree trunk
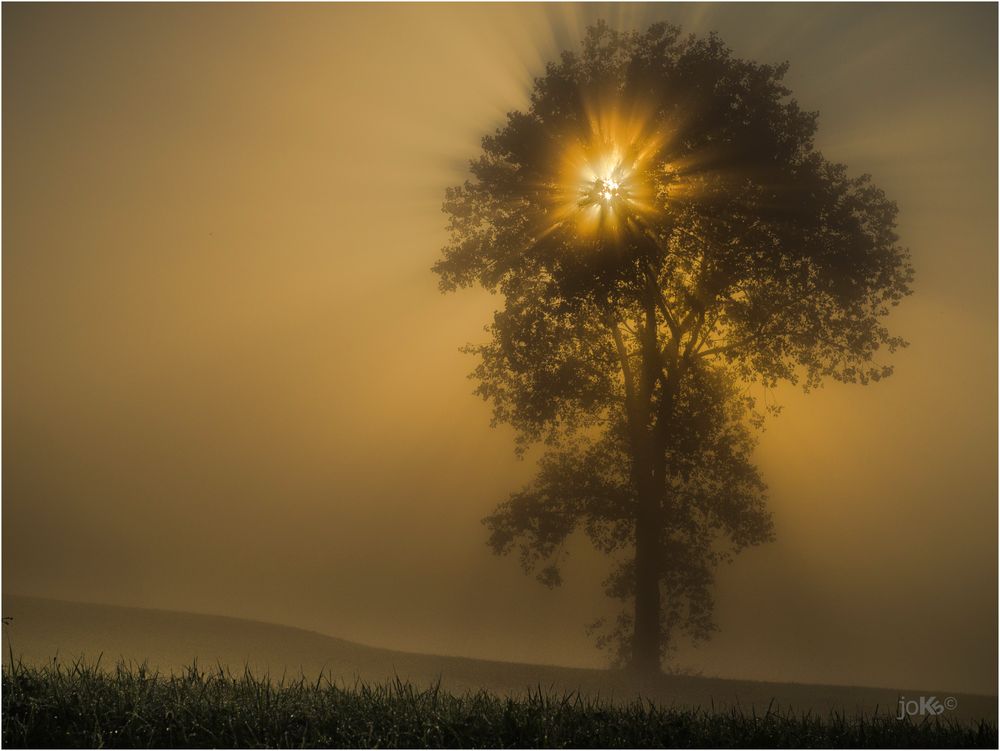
{"x":647,"y":637}
{"x":648,"y":477}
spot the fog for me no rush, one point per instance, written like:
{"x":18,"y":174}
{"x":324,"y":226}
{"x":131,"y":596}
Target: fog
{"x":231,"y":386}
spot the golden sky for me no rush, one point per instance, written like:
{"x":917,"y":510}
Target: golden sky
{"x":230,"y":384}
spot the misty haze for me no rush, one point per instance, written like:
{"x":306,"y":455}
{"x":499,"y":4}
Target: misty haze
{"x":662,"y":403}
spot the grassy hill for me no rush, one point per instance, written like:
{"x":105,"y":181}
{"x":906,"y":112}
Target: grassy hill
{"x":171,"y":641}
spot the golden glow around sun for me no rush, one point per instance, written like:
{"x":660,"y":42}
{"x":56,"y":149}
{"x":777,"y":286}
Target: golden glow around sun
{"x":604,"y":183}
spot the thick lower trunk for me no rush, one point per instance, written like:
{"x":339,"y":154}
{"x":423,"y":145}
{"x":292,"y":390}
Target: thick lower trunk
{"x":647,"y":635}
{"x":648,"y":475}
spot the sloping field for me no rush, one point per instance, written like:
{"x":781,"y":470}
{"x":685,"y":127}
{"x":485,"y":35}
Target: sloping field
{"x":171,"y":641}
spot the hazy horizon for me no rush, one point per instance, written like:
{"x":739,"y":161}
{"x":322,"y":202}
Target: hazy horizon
{"x":231,"y":385}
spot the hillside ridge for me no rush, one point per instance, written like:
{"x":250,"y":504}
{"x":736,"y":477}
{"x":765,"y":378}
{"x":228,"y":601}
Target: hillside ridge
{"x":171,"y":641}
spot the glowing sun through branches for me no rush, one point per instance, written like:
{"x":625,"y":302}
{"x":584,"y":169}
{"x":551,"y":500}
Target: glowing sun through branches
{"x":604,"y":182}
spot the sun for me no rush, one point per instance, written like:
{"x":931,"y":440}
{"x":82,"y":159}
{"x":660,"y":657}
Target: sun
{"x":601,"y":189}
{"x":609,"y":189}
{"x":602,"y":185}
{"x":609,"y":193}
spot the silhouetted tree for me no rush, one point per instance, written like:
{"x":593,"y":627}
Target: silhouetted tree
{"x":660,"y":210}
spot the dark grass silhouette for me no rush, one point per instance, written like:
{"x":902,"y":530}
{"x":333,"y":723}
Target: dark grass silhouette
{"x":80,"y":705}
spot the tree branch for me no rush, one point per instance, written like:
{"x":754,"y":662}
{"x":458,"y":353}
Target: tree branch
{"x":622,"y":356}
{"x":660,"y":301}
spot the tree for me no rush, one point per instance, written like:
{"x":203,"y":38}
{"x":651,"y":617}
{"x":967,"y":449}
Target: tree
{"x":661,"y":211}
